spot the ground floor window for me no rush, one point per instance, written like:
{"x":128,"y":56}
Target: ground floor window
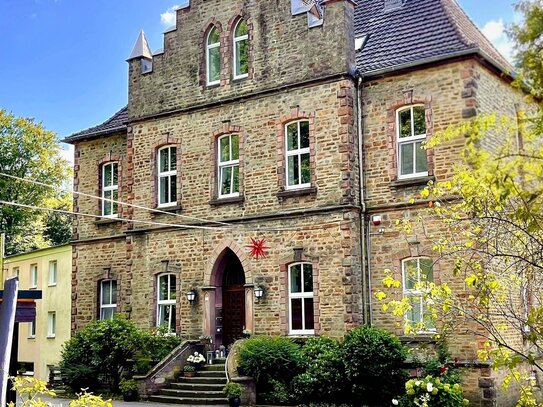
{"x":108,"y":299}
{"x":417,"y":275}
{"x":166,"y":286}
{"x":301,"y":309}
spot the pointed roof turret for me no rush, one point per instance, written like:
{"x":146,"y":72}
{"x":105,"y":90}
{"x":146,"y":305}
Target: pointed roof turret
{"x":141,"y":48}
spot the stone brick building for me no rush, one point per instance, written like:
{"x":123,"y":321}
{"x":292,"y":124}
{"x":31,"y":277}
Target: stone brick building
{"x":252,"y":123}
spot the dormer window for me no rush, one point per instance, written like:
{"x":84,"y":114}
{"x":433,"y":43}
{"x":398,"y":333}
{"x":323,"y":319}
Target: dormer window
{"x":241,"y":50}
{"x":213,"y":57}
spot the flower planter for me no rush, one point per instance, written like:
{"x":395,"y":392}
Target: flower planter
{"x":130,"y":395}
{"x":234,"y":402}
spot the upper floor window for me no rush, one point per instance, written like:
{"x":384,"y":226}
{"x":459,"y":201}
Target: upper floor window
{"x":32,"y":328}
{"x":411,"y":133}
{"x":166,"y":287}
{"x":241,"y":50}
{"x":298,"y":165}
{"x":108,"y":299}
{"x":228,"y":165}
{"x":51,"y":324}
{"x":213,"y":57}
{"x":167,"y":176}
{"x":34,"y":276}
{"x":53,"y":272}
{"x":301,"y":312}
{"x":417,"y":274}
{"x":110,"y":189}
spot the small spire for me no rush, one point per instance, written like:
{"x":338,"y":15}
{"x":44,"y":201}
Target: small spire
{"x":141,"y":48}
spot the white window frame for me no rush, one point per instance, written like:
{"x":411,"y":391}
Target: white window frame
{"x":53,"y":273}
{"x":113,"y":187}
{"x":32,"y":329}
{"x":110,"y":304}
{"x":225,"y":164}
{"x":51,"y":324}
{"x":301,"y":295}
{"x":416,"y":293}
{"x":210,"y":47}
{"x":33,"y":276}
{"x":166,"y":302}
{"x":413,"y":139}
{"x":297,"y":152}
{"x":236,"y":41}
{"x":167,"y":174}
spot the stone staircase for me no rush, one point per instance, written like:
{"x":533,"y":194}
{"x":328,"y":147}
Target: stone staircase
{"x":205,"y":389}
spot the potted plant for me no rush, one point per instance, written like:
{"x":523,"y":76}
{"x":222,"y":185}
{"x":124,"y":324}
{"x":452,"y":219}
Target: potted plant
{"x":205,"y":339}
{"x":189,"y":370}
{"x":129,"y":388}
{"x":232,"y":391}
{"x":196,"y":359}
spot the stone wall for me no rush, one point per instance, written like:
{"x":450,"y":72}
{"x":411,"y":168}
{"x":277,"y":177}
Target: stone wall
{"x":283,"y":50}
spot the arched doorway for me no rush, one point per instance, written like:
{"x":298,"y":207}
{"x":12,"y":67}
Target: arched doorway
{"x":227,"y":300}
{"x":233,"y":299}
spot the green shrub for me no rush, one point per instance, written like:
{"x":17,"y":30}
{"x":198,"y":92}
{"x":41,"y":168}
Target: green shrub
{"x":232,"y":390}
{"x":373,"y":365}
{"x":324,"y":378}
{"x":270,"y":359}
{"x":432,"y":392}
{"x":442,"y":367}
{"x":98,"y":354}
{"x":278,"y":394}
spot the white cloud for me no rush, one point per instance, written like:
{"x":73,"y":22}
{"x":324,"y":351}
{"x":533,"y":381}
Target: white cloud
{"x":494,"y":30}
{"x":168,"y":17}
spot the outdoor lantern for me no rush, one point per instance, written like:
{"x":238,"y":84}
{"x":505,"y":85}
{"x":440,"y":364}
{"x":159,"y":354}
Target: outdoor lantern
{"x":259,"y":292}
{"x":191,"y":296}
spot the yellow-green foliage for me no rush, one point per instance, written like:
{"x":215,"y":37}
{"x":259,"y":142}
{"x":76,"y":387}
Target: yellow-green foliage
{"x":31,"y":391}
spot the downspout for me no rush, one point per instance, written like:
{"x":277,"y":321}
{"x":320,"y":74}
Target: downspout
{"x":364,"y":252}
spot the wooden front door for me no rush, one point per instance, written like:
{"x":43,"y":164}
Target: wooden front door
{"x":233,"y":313}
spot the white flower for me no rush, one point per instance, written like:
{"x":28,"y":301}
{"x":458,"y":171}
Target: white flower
{"x":429,"y":387}
{"x":417,"y":383}
{"x":395,"y":402}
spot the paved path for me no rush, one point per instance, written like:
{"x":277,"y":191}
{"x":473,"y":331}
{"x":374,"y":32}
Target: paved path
{"x":58,"y":402}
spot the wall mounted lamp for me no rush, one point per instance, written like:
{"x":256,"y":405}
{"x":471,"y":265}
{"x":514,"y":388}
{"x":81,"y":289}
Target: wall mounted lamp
{"x":191,"y":296}
{"x":259,"y":292}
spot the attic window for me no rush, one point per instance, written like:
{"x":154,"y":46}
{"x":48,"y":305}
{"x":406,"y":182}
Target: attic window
{"x":393,"y":4}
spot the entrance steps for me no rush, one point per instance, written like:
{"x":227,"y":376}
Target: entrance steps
{"x":203,"y":390}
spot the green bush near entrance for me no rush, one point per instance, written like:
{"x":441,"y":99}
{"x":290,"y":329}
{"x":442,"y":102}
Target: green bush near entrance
{"x":96,"y":356}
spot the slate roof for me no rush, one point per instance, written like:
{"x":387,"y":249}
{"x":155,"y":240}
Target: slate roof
{"x":419,"y":31}
{"x":115,"y":124}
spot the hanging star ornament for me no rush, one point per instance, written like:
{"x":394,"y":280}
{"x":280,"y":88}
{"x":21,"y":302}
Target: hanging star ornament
{"x":257,"y":248}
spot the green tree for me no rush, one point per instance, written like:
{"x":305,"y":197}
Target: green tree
{"x":29,"y":151}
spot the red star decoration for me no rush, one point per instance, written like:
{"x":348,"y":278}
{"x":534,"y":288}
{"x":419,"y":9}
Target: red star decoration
{"x":257,"y":248}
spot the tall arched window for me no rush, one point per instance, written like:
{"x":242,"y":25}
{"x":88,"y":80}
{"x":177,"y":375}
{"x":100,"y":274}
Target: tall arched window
{"x":411,"y":133}
{"x":166,"y":299}
{"x":167,"y":176}
{"x":228,"y":165}
{"x":417,"y":273}
{"x":213,"y":57}
{"x":241,"y":50}
{"x":298,"y":164}
{"x":300,"y":292}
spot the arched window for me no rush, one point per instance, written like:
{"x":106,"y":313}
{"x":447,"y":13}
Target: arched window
{"x":108,"y":299}
{"x":241,"y":50}
{"x":300,"y":292}
{"x":213,"y":57}
{"x":166,"y":299}
{"x":298,"y":164}
{"x":410,"y":134}
{"x":417,"y":273}
{"x":110,"y":189}
{"x":228,"y":165}
{"x":167,"y":176}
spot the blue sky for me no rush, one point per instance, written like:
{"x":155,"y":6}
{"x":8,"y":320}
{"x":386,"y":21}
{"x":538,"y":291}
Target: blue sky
{"x":63,"y":61}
